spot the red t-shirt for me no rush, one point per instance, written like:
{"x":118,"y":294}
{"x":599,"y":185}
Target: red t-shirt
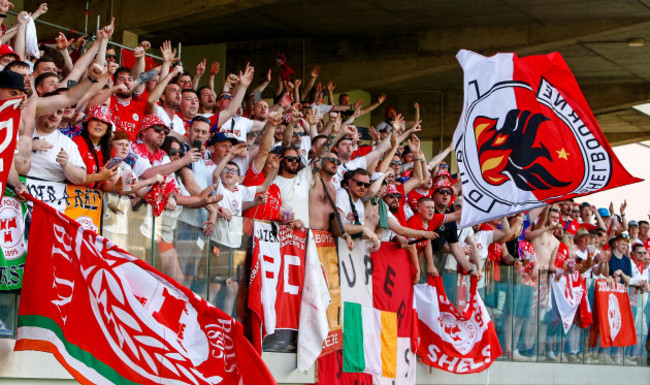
{"x":415,"y":222}
{"x":93,"y":163}
{"x":269,"y":211}
{"x":127,"y":116}
{"x":401,"y":215}
{"x":417,"y":194}
{"x":588,"y":226}
{"x":361,"y":151}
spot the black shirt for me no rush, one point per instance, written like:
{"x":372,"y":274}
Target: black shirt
{"x":447,"y":233}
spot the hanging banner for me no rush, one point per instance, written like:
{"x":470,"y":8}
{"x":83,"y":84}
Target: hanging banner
{"x":614,"y":319}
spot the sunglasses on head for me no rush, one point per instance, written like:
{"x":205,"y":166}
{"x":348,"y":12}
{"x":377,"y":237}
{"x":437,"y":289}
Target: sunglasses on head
{"x":161,"y":129}
{"x":230,"y":171}
{"x":444,"y":192}
{"x":174,"y":152}
{"x":361,"y":184}
{"x":334,"y":160}
{"x":292,"y":159}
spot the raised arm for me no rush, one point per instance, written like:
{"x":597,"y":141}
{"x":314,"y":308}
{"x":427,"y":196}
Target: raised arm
{"x":245,"y":79}
{"x":310,"y":84}
{"x":50,"y":104}
{"x":157,"y":92}
{"x":267,"y":140}
{"x":84,"y":61}
{"x":330,"y":92}
{"x":214,"y":70}
{"x":435,"y":161}
{"x":200,"y":70}
{"x":373,"y":106}
{"x":168,"y":57}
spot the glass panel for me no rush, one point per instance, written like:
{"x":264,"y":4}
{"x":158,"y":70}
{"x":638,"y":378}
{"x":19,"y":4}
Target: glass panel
{"x":8,"y":306}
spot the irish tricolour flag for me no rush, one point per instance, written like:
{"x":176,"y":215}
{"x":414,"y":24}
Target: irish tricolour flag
{"x":369,"y":340}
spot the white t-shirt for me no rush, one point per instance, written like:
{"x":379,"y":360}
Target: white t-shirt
{"x":44,"y":165}
{"x":345,"y":167}
{"x":343,"y":204}
{"x":238,"y":126}
{"x":175,"y":124}
{"x":202,"y":171}
{"x":484,"y":239}
{"x":305,"y":146}
{"x":295,"y":193}
{"x":233,"y":200}
{"x":387,"y":235}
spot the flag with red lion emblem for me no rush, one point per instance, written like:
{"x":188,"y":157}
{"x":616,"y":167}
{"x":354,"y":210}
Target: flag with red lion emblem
{"x":527,"y":137}
{"x":455,"y":341}
{"x":109,"y":318}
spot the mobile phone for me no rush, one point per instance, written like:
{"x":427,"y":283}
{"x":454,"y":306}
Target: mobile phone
{"x":115,"y":161}
{"x":197,"y":144}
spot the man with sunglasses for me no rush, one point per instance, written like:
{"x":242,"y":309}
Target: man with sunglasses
{"x":319,"y":205}
{"x":150,"y":138}
{"x":349,"y":202}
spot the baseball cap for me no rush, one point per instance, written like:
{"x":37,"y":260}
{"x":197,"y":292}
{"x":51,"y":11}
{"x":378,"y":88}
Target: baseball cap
{"x":222,"y":137}
{"x":442,"y":183}
{"x":584,"y":204}
{"x":392,"y":189}
{"x":277,"y":150}
{"x":443,"y":172}
{"x":151,"y":121}
{"x":101,"y":113}
{"x":633,"y":223}
{"x":13,"y":80}
{"x":6,"y":50}
{"x":603,"y":212}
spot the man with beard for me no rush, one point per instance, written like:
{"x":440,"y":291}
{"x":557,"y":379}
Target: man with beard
{"x":294,"y":184}
{"x":170,"y":101}
{"x":349,"y":201}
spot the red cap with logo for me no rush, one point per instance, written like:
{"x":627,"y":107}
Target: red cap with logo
{"x":442,"y":183}
{"x":101,"y":113}
{"x":151,"y":121}
{"x":443,"y":172}
{"x":392,"y":189}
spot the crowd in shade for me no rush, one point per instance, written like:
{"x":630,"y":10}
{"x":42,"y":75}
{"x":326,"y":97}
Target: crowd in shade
{"x":203,"y":158}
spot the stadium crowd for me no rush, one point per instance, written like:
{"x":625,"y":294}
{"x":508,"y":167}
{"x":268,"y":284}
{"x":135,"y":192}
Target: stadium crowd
{"x":204,"y":158}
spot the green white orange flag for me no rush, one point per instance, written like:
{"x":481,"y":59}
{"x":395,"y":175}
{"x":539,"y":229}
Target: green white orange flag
{"x":110,"y":318}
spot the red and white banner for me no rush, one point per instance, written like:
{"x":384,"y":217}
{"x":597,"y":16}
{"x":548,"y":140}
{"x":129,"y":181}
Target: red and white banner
{"x":614,"y":319}
{"x":527,"y":137}
{"x":110,"y":318}
{"x":276,"y":282}
{"x":453,"y":341}
{"x":9,"y":122}
{"x":568,"y":294}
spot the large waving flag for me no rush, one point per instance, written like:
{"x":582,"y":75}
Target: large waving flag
{"x":455,"y":341}
{"x":527,"y":137}
{"x":9,"y":122}
{"x":109,"y":318}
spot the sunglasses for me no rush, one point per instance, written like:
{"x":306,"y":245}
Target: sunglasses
{"x":395,"y":162}
{"x":224,"y":96}
{"x":174,"y":152}
{"x":110,"y":56}
{"x":292,"y":159}
{"x":444,"y":192}
{"x":394,"y":196}
{"x":361,"y":184}
{"x":159,"y":129}
{"x":576,"y":211}
{"x":334,"y":160}
{"x":230,"y":171}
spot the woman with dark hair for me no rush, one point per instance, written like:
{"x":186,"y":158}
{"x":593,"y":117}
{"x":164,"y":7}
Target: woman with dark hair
{"x":94,"y":144}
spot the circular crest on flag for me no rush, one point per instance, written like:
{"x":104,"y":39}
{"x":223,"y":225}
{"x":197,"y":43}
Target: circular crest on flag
{"x":11,"y":229}
{"x":524,"y":144}
{"x":460,"y":334}
{"x":614,"y":316}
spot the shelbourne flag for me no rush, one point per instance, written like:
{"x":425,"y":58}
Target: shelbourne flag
{"x":526,"y":137}
{"x":109,"y":318}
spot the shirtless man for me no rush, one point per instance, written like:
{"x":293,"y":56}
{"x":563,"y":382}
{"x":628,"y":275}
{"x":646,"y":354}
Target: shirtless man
{"x":543,"y":240}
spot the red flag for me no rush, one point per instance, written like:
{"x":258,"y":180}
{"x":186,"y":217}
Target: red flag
{"x":527,"y":137}
{"x":450,"y":340}
{"x":614,"y":316}
{"x":128,"y":60}
{"x":9,"y":122}
{"x":108,"y":317}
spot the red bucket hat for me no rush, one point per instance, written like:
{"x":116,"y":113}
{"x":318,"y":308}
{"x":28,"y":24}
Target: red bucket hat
{"x":101,"y":113}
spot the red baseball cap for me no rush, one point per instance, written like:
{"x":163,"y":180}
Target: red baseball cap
{"x":101,"y":113}
{"x":6,"y":50}
{"x":442,"y":183}
{"x":392,"y":189}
